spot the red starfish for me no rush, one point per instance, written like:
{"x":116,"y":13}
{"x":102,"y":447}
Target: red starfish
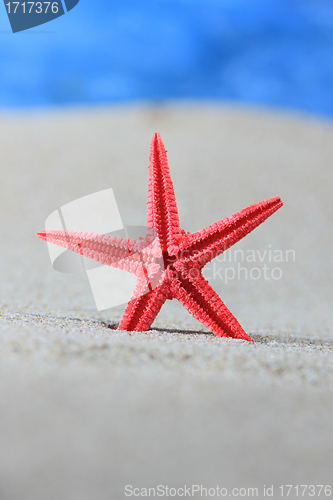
{"x":168,"y":262}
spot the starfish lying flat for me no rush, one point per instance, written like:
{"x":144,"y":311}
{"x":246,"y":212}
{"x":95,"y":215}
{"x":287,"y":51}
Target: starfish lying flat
{"x":168,"y":262}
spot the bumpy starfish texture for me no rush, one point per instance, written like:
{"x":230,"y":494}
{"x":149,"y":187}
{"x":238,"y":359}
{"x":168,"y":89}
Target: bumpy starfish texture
{"x":168,"y":262}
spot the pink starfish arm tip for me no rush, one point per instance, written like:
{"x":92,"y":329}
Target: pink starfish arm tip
{"x":41,"y":235}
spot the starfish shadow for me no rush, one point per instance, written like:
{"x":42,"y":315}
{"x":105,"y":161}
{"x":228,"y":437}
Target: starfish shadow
{"x":184,"y":332}
{"x":114,"y":326}
{"x":263,"y":339}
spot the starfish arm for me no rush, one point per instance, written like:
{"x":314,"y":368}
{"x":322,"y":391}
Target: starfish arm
{"x":143,"y":309}
{"x":205,"y":305}
{"x":109,"y":250}
{"x":162,"y":213}
{"x":205,"y":245}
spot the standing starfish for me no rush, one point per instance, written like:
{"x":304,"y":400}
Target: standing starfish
{"x":168,"y":262}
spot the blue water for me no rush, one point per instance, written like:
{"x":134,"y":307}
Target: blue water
{"x":272,"y":52}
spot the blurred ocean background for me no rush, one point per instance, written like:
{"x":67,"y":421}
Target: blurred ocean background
{"x":276,"y":53}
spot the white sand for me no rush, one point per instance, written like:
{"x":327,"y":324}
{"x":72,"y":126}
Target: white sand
{"x":86,"y":410}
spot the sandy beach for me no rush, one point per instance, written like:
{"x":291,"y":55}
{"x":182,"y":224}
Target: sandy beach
{"x":87,"y":410}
